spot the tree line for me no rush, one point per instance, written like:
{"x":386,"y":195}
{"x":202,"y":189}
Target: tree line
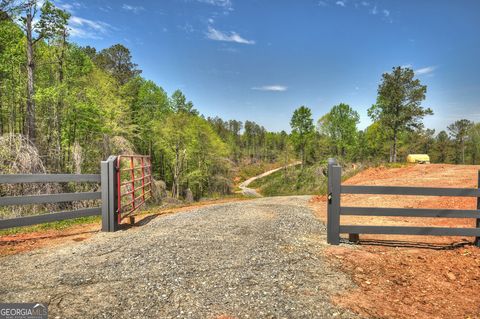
{"x":77,"y":105}
{"x":397,"y":129}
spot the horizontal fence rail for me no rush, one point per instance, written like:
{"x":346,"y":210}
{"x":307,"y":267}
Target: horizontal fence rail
{"x":409,"y":212}
{"x":404,"y":190}
{"x":410,"y":230}
{"x":139,"y":181}
{"x":46,"y":218}
{"x":49,"y":198}
{"x":48,"y":178}
{"x":335,"y":210}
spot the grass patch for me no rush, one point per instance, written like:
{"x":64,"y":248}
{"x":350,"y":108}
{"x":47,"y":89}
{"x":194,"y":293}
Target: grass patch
{"x":250,"y":170}
{"x":58,"y":225}
{"x":293,"y":181}
{"x":312,"y":180}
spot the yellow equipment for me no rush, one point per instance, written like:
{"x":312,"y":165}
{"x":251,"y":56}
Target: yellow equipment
{"x":418,"y":158}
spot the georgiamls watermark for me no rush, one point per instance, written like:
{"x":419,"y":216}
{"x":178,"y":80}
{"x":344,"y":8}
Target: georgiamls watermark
{"x":23,"y":311}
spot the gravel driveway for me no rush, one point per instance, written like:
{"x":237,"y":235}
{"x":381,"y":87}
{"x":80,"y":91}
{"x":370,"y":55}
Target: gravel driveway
{"x":252,"y":259}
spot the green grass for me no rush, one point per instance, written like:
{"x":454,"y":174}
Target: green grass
{"x":310,"y":181}
{"x":58,"y":225}
{"x":250,"y":170}
{"x":294,"y":181}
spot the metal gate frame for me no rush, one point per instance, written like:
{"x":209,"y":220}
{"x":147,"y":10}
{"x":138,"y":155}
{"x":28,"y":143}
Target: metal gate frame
{"x":145,"y":187}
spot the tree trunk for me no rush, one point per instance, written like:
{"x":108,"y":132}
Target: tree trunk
{"x":394,"y":159}
{"x":302,"y":151}
{"x":60,"y":104}
{"x":30,"y":120}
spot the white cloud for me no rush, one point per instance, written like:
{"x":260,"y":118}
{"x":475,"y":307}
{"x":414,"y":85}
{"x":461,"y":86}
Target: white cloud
{"x":70,"y":7}
{"x":105,"y":8}
{"x":187,"y":28}
{"x":322,"y":3}
{"x":134,"y":9}
{"x":425,"y":70}
{"x":214,"y":34}
{"x":88,"y":29}
{"x":225,"y":4}
{"x":365,"y":3}
{"x":340,"y":3}
{"x":386,"y":13}
{"x":274,"y":88}
{"x":374,"y":10}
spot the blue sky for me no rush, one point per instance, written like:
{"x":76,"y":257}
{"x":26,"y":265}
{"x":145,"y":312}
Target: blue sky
{"x":259,"y":60}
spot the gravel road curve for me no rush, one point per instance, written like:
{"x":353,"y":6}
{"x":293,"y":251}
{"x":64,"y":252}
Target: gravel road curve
{"x":252,"y":259}
{"x":251,"y":192}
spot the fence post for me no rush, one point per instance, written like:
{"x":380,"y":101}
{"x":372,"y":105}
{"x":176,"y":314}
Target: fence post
{"x":333,"y":208}
{"x":109,"y":195}
{"x":477,"y":239}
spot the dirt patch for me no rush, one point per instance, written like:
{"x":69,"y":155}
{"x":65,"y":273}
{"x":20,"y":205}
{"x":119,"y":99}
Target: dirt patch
{"x":410,"y":276}
{"x":17,"y":243}
{"x":411,"y":283}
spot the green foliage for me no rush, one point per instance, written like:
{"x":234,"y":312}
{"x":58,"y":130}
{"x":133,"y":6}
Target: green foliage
{"x":340,"y":127}
{"x":459,"y":131}
{"x":53,"y":21}
{"x":117,"y":61}
{"x":293,"y":181}
{"x":398,"y":106}
{"x":441,"y":148}
{"x":88,"y":103}
{"x":193,"y":153}
{"x":302,"y":130}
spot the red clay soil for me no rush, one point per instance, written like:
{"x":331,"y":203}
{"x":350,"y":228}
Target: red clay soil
{"x":410,"y":276}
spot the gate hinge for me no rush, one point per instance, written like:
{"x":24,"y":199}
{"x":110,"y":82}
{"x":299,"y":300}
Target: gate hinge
{"x":329,"y":197}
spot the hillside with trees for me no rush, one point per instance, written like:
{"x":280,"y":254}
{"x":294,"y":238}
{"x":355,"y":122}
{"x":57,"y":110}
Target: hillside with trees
{"x":74,"y":106}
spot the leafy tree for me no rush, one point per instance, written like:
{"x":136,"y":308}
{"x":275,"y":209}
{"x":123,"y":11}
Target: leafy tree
{"x":52,"y":21}
{"x":302,"y":129}
{"x":459,"y":132}
{"x":441,"y":148}
{"x":473,"y":146}
{"x":117,"y":61}
{"x":340,"y":126}
{"x":398,"y":106}
{"x":179,"y":103}
{"x":420,"y":140}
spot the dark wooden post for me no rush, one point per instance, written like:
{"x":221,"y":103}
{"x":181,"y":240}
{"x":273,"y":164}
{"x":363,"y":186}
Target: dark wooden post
{"x":477,"y":239}
{"x":333,"y":197}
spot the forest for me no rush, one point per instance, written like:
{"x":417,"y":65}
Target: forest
{"x":70,"y":107}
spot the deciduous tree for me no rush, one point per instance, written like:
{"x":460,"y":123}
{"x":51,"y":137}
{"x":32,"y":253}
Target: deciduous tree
{"x":302,"y":129}
{"x":340,"y":126}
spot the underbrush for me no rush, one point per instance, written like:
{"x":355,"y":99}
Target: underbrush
{"x":293,"y":181}
{"x":245,"y":171}
{"x":312,"y":180}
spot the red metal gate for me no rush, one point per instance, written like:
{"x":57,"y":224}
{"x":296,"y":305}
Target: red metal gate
{"x":134,"y":183}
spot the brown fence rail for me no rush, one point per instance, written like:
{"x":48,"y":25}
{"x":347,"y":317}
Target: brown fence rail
{"x":335,"y":210}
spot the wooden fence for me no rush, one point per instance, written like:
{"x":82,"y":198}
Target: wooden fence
{"x":108,"y":196}
{"x":335,"y":210}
